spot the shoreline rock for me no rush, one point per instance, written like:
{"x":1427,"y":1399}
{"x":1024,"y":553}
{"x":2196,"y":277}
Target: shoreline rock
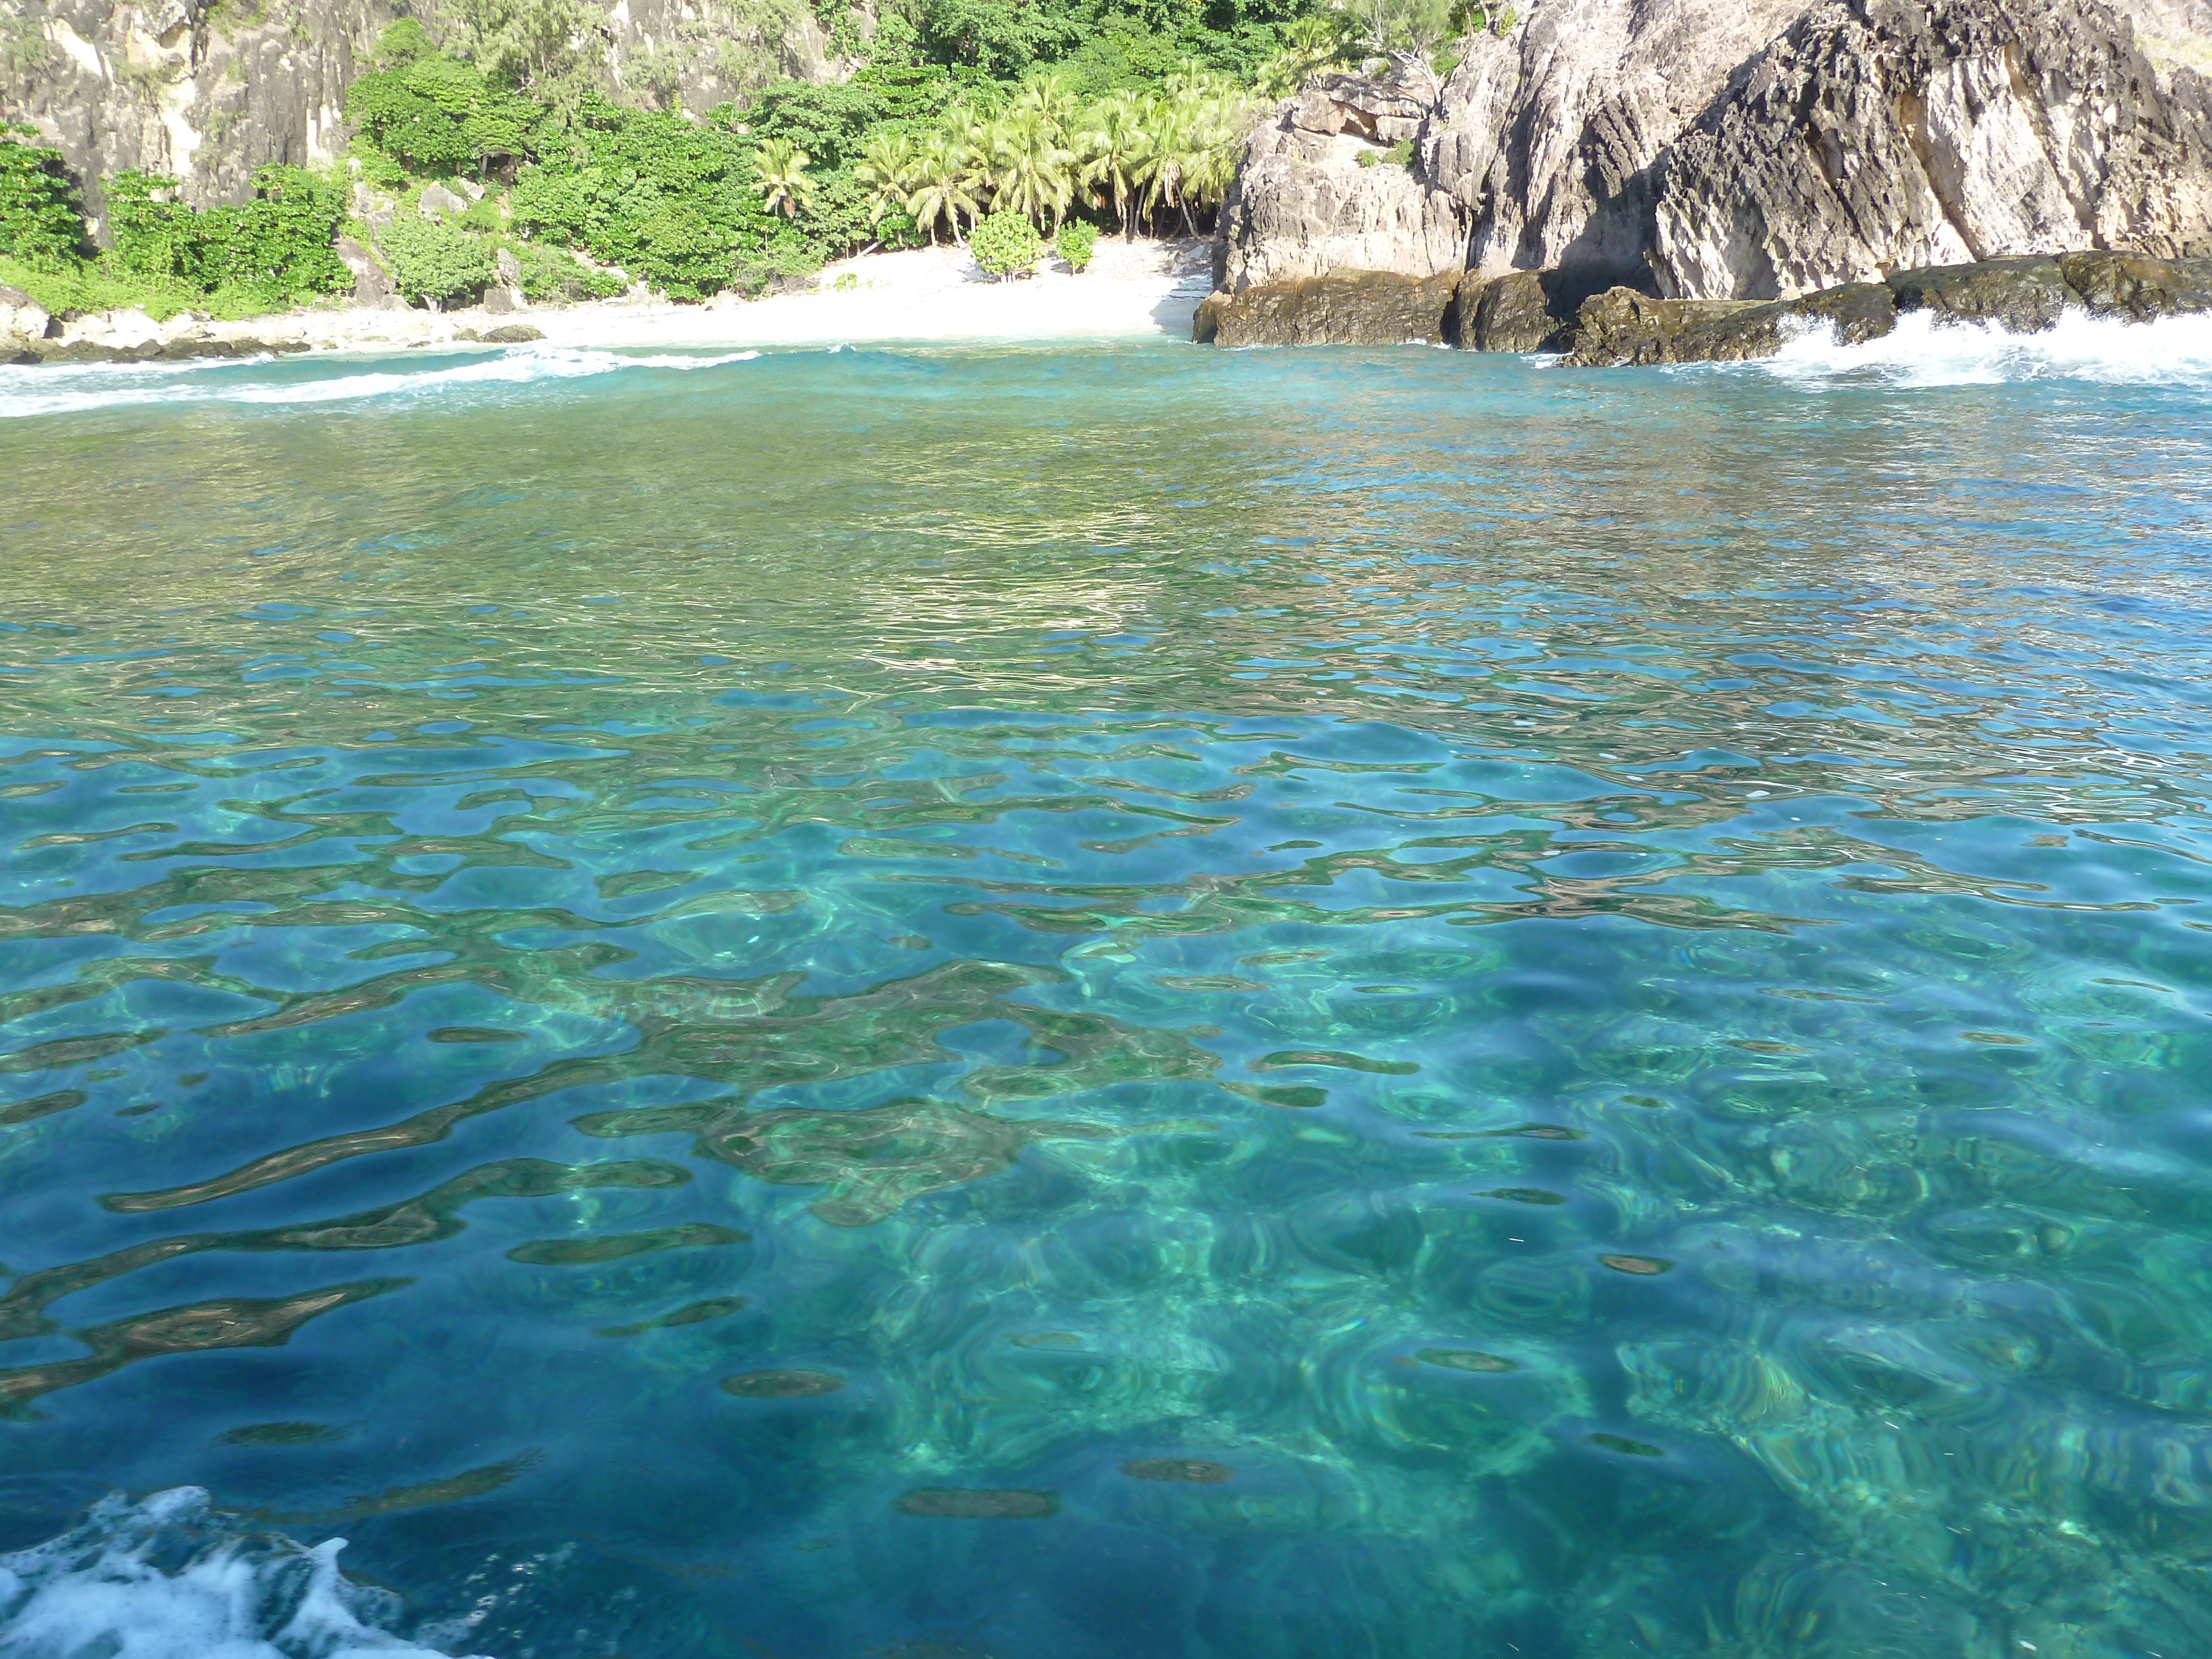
{"x":1524,"y":312}
{"x":1622,"y":328}
{"x":29,"y":337}
{"x":1347,"y":307}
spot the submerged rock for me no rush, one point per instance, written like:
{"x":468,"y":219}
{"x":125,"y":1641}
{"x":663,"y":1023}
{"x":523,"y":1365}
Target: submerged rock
{"x":1349,"y":307}
{"x":781,"y":1384}
{"x":1466,"y":1359}
{"x":957,"y":1504}
{"x":1196,"y":1470}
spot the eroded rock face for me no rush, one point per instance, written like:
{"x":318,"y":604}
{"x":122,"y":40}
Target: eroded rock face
{"x":178,"y":87}
{"x":1303,"y":204}
{"x":22,"y":321}
{"x":1551,"y":137}
{"x":1749,"y":149}
{"x":1352,"y":308}
{"x":1886,"y":135}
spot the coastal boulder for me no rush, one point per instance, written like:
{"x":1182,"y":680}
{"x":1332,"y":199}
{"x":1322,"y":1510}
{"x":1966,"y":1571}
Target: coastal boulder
{"x":370,"y":286}
{"x":1511,"y":312}
{"x":1352,"y":307}
{"x":2024,"y":295}
{"x":22,"y":319}
{"x":1623,"y":327}
{"x":436,"y":199}
{"x":2137,"y":287}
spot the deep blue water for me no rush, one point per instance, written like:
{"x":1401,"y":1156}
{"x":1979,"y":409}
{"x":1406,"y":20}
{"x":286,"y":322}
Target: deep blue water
{"x":1124,"y":1003}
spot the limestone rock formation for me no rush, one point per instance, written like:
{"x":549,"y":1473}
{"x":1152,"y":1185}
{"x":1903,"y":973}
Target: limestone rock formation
{"x":1881,"y":135}
{"x":1305,"y":202}
{"x":1746,"y":149}
{"x":208,"y":93}
{"x":22,"y":319}
{"x":157,"y":85}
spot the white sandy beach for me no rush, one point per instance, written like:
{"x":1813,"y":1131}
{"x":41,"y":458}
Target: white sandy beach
{"x":1132,"y":290}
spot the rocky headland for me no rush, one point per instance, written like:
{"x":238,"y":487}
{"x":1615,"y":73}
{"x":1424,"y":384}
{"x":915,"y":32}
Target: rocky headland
{"x":1675,"y":180}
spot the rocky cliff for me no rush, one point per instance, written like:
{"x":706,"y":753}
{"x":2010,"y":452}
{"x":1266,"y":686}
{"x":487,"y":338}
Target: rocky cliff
{"x":1747,"y":148}
{"x":208,"y":90}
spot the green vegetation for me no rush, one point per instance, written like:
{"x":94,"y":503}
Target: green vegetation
{"x":1018,"y":121}
{"x":1006,"y":245}
{"x":1076,"y":242}
{"x":267,"y":253}
{"x":429,"y":260}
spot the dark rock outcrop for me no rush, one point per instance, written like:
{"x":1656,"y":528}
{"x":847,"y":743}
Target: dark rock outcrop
{"x":1352,"y":307}
{"x":2026,"y":295}
{"x":2134,"y":286}
{"x":1514,"y":312}
{"x":1622,"y":327}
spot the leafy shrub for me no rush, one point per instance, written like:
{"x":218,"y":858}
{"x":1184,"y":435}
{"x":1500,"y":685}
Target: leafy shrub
{"x":1006,"y":243}
{"x":552,"y":273}
{"x":1400,"y":154}
{"x":431,"y":261}
{"x":81,"y":289}
{"x":484,"y":216}
{"x":435,"y":113}
{"x":1076,"y":242}
{"x":673,"y":204}
{"x":41,"y":220}
{"x":276,"y":248}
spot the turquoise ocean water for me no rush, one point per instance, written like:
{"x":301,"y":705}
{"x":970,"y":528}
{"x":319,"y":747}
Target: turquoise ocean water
{"x":1110,"y":1003}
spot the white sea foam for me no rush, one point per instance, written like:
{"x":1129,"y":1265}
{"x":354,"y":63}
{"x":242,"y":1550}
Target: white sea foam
{"x":2105,"y":351}
{"x":60,"y":391}
{"x":171,"y":1578}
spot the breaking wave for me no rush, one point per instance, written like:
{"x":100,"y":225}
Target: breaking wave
{"x":2105,"y":350}
{"x":171,"y":1577}
{"x":61,"y":390}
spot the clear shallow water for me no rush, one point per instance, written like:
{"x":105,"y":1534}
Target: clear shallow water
{"x":1125,"y":1002}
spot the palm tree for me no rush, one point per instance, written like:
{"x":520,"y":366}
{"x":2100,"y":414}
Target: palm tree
{"x":1050,"y":96}
{"x":1164,"y":156}
{"x":1111,"y":140}
{"x":1031,"y":172}
{"x":886,"y":170}
{"x":942,"y":183}
{"x":1319,"y":40}
{"x":780,"y":167}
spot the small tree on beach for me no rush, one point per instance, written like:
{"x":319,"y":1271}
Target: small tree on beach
{"x":1076,"y":242}
{"x":1006,"y":243}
